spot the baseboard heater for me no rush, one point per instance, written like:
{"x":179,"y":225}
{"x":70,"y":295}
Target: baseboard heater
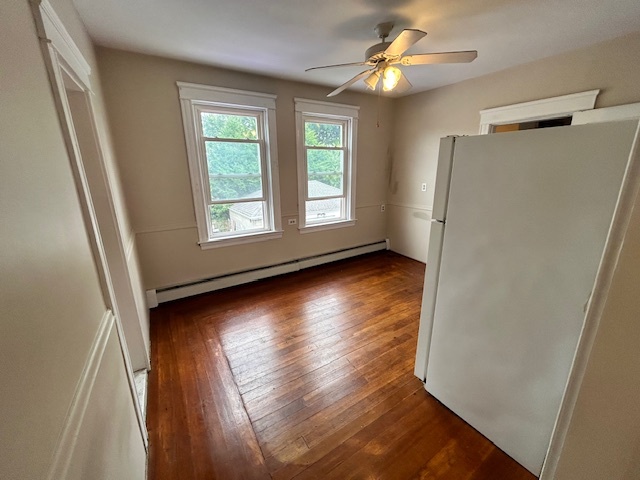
{"x":155,"y":297}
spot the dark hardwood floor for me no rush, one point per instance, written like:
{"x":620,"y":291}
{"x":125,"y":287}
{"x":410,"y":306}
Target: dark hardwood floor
{"x":306,"y":376}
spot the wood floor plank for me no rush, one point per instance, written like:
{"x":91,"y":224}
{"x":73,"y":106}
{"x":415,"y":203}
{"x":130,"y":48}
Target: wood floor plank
{"x":360,"y":451}
{"x":314,"y":424}
{"x":306,"y":376}
{"x":290,"y":462}
{"x":328,"y":331}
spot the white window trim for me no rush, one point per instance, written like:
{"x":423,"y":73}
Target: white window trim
{"x":342,"y":112}
{"x":192,"y":95}
{"x":542,"y":109}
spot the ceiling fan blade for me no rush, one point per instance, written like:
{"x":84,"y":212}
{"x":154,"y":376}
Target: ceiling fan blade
{"x":403,"y":85}
{"x":344,"y":86}
{"x":404,"y":41}
{"x":444,"y":57}
{"x":355,"y":64}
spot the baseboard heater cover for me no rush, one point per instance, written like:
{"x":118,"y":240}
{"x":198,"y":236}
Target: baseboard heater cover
{"x":233,"y":279}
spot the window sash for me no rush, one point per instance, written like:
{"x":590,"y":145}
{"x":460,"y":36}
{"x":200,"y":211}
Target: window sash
{"x":323,"y":220}
{"x":310,"y":118}
{"x":248,"y":231}
{"x":210,"y":176}
{"x":240,"y":112}
{"x":344,"y":171}
{"x":206,"y":177}
{"x":345,"y":133}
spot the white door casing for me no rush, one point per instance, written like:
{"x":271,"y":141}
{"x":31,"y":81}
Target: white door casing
{"x":543,"y":109}
{"x":69,"y":74}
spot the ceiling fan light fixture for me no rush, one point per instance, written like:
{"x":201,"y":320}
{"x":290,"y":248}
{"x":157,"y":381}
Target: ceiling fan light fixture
{"x":372,"y":80}
{"x":390,"y":78}
{"x":383,"y":55}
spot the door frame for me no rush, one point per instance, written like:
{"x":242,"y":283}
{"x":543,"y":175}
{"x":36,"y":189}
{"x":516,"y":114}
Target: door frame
{"x":68,"y":70}
{"x":630,"y":111}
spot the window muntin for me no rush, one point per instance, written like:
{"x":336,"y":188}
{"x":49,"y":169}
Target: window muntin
{"x":232,"y":159}
{"x":326,"y":162}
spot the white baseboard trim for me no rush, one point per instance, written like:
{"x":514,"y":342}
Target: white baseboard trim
{"x":152,"y":298}
{"x":231,"y":280}
{"x":75,"y":415}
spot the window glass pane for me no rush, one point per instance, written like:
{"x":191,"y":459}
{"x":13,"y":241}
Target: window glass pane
{"x":318,"y":134}
{"x":321,"y":211}
{"x":324,"y":172}
{"x":234,"y":170}
{"x":236,"y":217}
{"x":219,"y":125}
{"x":233,"y":188}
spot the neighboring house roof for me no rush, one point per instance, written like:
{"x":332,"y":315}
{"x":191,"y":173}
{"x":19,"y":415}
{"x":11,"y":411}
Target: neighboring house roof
{"x":253,"y":210}
{"x":319,"y":189}
{"x":250,"y":210}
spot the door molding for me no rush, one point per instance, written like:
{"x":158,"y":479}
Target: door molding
{"x":543,"y":109}
{"x":629,"y":111}
{"x":67,"y":69}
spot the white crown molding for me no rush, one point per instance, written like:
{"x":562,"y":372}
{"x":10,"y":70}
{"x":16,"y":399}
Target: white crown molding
{"x":542,"y":109}
{"x":61,"y":40}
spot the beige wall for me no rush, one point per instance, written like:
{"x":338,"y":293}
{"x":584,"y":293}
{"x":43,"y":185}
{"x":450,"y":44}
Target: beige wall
{"x":422,"y":119}
{"x":144,"y":113}
{"x":51,"y":301}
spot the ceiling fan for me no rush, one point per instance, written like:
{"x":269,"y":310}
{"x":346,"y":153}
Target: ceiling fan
{"x":385,"y":55}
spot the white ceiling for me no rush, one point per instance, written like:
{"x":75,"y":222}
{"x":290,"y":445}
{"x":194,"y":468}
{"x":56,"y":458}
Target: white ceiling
{"x":281,"y":38}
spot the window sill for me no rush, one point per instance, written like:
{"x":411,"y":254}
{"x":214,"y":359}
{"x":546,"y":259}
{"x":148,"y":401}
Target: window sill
{"x":240,"y":239}
{"x":327,"y":226}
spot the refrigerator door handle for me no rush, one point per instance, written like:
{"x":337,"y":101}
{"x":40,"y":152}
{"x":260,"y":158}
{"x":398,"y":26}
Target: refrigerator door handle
{"x":435,"y":220}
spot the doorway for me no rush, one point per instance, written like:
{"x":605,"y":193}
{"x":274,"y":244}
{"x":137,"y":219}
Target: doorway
{"x":547,"y":123}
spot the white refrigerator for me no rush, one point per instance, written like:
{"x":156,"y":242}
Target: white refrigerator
{"x":519,"y":226}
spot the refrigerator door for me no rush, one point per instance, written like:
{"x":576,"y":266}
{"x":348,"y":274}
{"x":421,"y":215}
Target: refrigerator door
{"x":443,"y":178}
{"x":527,"y":220}
{"x":429,"y":298}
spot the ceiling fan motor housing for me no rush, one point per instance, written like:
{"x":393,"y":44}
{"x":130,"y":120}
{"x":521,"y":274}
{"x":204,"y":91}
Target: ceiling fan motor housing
{"x":375,"y":53}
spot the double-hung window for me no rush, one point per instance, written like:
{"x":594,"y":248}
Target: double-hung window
{"x":326,"y":141}
{"x":231,"y":147}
